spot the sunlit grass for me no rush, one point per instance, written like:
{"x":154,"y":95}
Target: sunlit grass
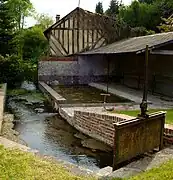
{"x":18,"y":165}
{"x":169,"y":114}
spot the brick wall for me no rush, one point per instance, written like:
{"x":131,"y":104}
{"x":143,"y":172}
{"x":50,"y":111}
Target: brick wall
{"x":98,"y":126}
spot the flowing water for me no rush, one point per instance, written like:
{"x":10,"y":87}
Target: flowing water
{"x":33,"y":120}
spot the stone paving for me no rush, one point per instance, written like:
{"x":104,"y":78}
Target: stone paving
{"x":133,"y":95}
{"x":150,"y":161}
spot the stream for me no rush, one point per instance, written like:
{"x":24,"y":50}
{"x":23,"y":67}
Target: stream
{"x":34,"y":120}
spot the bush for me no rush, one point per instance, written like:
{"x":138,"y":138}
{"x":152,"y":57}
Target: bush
{"x":13,"y":70}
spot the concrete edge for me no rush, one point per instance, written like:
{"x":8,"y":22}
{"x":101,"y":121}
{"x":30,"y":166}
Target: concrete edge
{"x":2,"y":103}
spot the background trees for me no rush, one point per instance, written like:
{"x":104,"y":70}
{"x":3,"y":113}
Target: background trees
{"x":141,"y":14}
{"x":99,"y":8}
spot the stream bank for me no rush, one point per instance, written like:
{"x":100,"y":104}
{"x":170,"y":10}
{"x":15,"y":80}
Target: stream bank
{"x":48,"y":133}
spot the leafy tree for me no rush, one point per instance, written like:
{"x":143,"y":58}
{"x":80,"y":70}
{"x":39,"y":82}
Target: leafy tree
{"x":146,"y":1}
{"x":113,"y":8}
{"x":6,"y":27}
{"x":44,"y":21}
{"x":11,"y":70}
{"x":99,"y":8}
{"x":167,"y":24}
{"x":141,"y":15}
{"x":21,"y":9}
{"x":30,"y":44}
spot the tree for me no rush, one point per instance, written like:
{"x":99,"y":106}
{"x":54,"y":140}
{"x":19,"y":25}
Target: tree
{"x":6,"y":27}
{"x":167,"y":24}
{"x":147,"y":1}
{"x":99,"y":8}
{"x":141,"y":15}
{"x":21,"y":9}
{"x":44,"y":21}
{"x":30,"y":44}
{"x":113,"y":8}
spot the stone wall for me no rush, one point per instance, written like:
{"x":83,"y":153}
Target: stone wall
{"x":65,"y":71}
{"x":98,"y":126}
{"x":83,"y":70}
{"x":2,"y":103}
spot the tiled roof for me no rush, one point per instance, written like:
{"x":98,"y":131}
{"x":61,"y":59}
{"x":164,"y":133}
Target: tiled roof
{"x":134,"y":44}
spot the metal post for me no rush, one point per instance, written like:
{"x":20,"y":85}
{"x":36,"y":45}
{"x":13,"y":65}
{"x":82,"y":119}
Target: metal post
{"x":143,"y":105}
{"x":108,"y":67}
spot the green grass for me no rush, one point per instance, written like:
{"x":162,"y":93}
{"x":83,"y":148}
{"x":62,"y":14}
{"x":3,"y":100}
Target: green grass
{"x":169,"y":114}
{"x":164,"y":172}
{"x":17,"y":165}
{"x":34,"y":94}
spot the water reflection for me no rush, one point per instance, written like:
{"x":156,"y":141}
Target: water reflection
{"x":61,"y":143}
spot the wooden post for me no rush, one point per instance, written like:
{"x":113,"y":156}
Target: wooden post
{"x":108,"y":67}
{"x":115,"y":147}
{"x":78,"y":14}
{"x":143,"y":105}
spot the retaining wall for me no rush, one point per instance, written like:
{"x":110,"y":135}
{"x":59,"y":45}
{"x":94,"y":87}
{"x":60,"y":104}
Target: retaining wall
{"x":98,"y":126}
{"x":2,"y":103}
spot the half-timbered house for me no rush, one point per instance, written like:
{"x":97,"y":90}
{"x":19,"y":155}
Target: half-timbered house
{"x":79,"y":31}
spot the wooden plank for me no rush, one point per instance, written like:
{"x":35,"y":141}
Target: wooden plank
{"x":88,"y":33}
{"x":56,"y":47}
{"x":78,"y":14}
{"x":63,"y":34}
{"x":65,"y":28}
{"x":68,"y":37}
{"x":60,"y":44}
{"x":92,"y":35}
{"x":162,"y":52}
{"x":73,"y":36}
{"x":83,"y":32}
{"x":96,"y":42}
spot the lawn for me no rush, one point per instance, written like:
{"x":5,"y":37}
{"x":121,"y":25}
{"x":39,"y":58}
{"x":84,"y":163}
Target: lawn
{"x":169,"y":114}
{"x":164,"y":172}
{"x":19,"y":165}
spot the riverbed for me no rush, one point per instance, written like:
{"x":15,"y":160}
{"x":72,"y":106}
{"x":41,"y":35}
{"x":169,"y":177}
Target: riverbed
{"x":34,"y":122}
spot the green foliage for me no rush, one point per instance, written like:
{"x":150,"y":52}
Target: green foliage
{"x":6,"y":27}
{"x":44,"y":21}
{"x":99,"y":8}
{"x":31,"y":44}
{"x":140,"y":15}
{"x":13,"y":70}
{"x":20,"y":10}
{"x":167,"y":24}
{"x":146,"y":13}
{"x":113,"y":9}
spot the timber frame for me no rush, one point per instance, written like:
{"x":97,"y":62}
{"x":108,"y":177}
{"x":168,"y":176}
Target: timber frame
{"x":79,"y":31}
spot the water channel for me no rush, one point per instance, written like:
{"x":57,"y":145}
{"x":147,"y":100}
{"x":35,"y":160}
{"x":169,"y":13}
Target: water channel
{"x":33,"y":120}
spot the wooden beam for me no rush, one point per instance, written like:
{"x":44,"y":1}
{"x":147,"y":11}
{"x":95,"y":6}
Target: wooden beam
{"x":78,"y":14}
{"x":162,"y":52}
{"x":96,"y":42}
{"x":60,"y":44}
{"x":53,"y":51}
{"x":73,"y":35}
{"x":65,"y":28}
{"x":68,"y":37}
{"x":92,"y":37}
{"x":56,"y":47}
{"x":88,"y":33}
{"x":63,"y":34}
{"x":83,"y":32}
